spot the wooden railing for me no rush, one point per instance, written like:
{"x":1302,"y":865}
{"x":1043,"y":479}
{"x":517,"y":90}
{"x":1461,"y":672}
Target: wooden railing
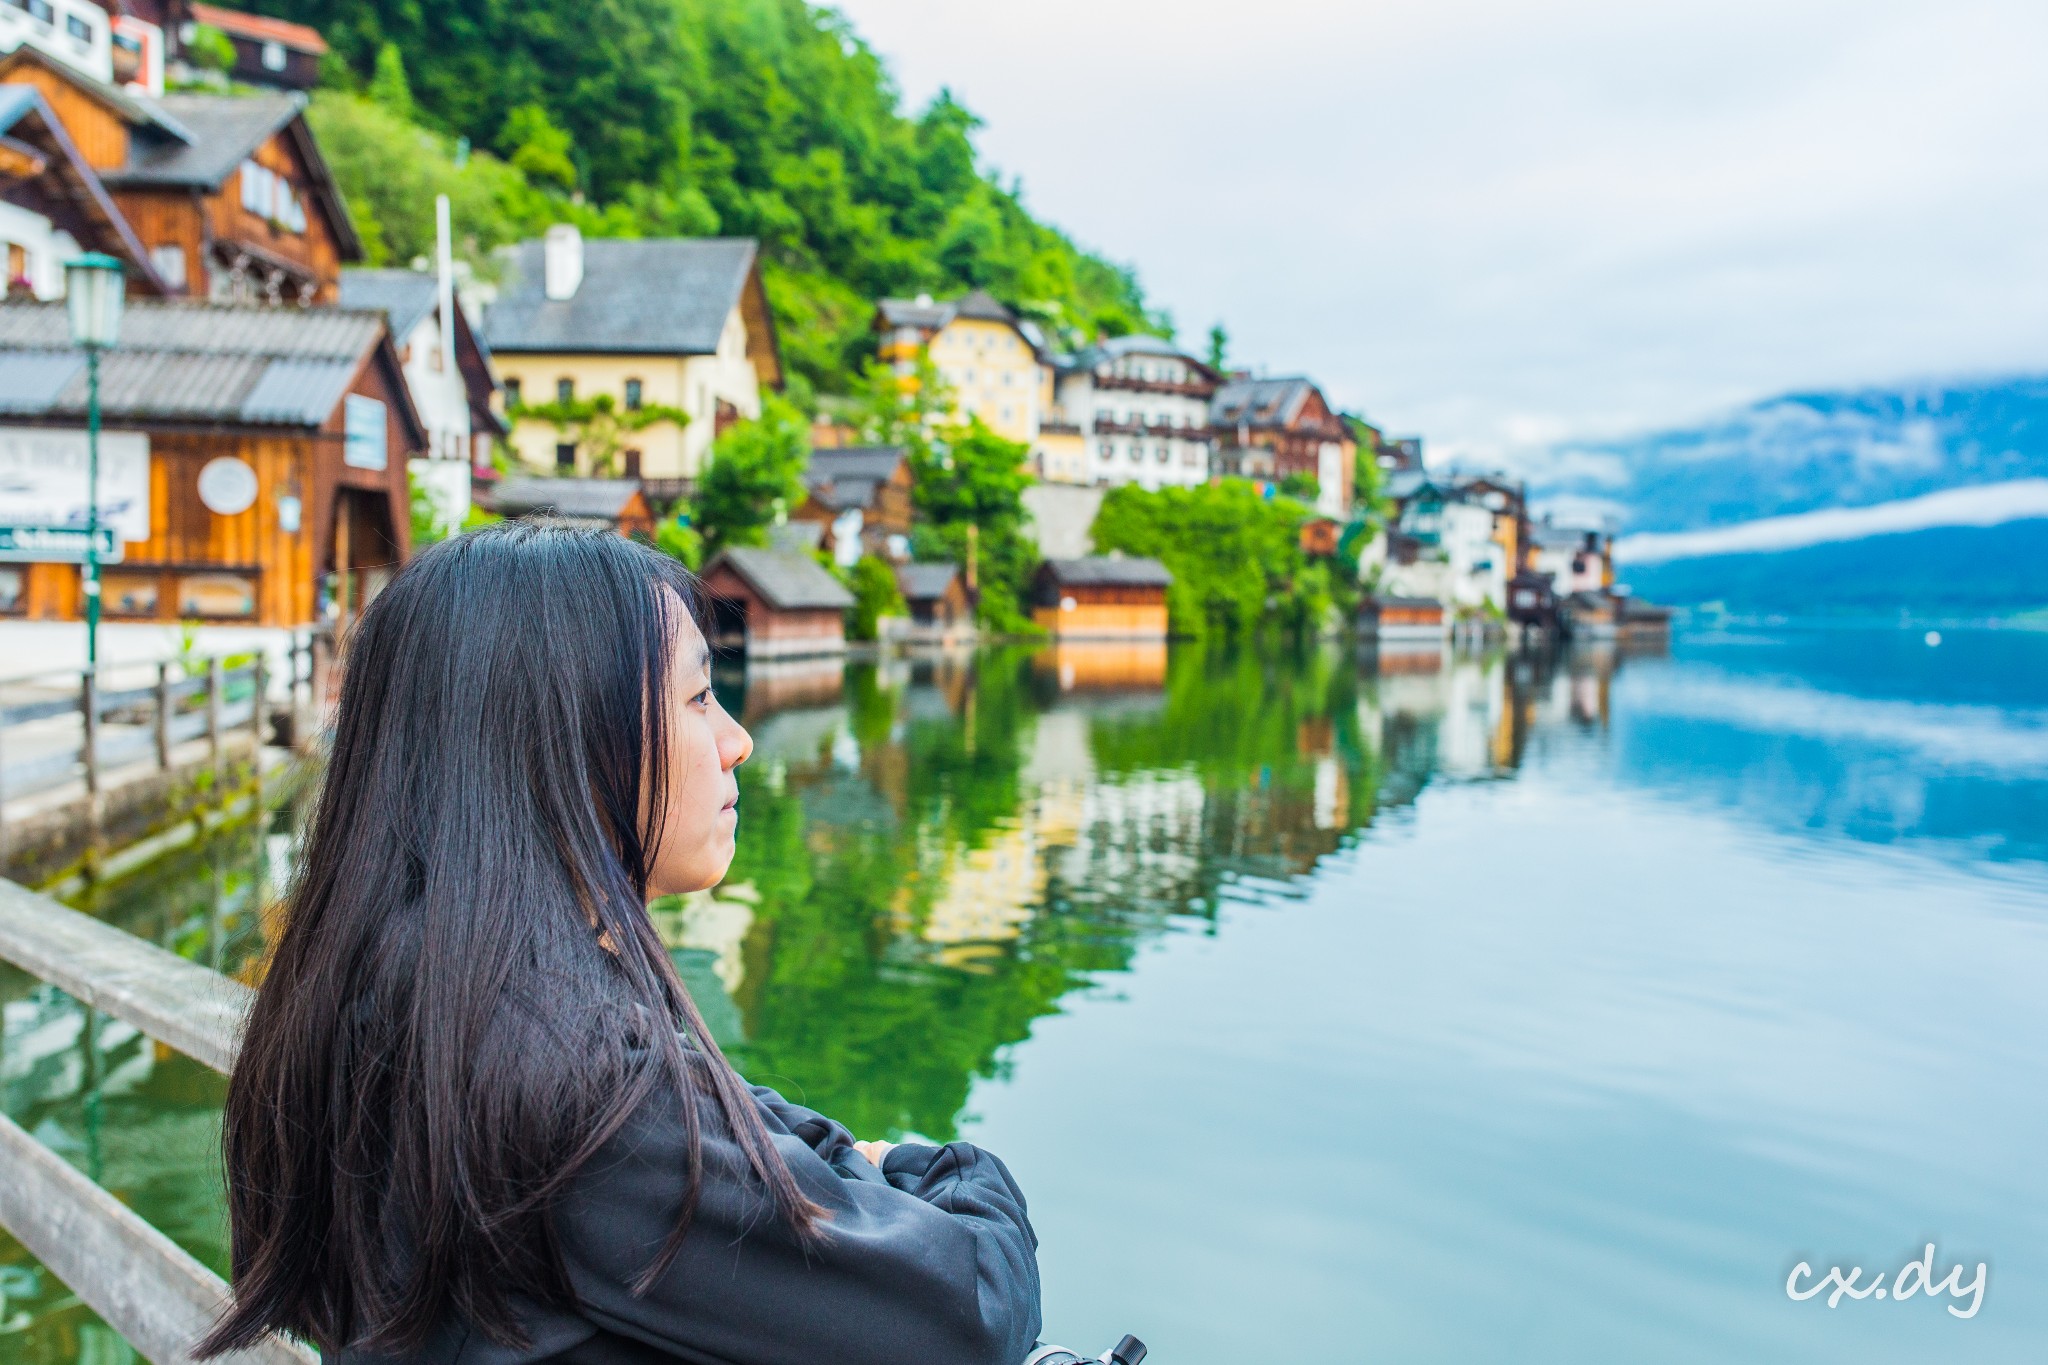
{"x":144,"y":1285}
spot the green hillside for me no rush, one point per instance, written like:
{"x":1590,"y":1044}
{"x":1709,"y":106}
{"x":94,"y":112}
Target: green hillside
{"x":760,"y":118}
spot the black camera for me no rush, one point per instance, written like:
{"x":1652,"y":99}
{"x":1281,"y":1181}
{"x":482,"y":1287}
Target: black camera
{"x":1129,"y":1351}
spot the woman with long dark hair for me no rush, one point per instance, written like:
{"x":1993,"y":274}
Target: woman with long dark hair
{"x":476,"y":1116}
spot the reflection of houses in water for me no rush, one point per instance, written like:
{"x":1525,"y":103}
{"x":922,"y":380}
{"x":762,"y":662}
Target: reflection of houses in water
{"x":705,"y":934}
{"x":1104,"y":665}
{"x":989,"y":893}
{"x":771,"y":686}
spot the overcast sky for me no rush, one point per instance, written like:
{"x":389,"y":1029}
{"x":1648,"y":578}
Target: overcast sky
{"x":1500,"y":224}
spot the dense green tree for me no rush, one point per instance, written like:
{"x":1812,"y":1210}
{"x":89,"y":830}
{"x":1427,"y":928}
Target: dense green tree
{"x":756,"y":476}
{"x":969,"y":490}
{"x":875,"y":595}
{"x":762,"y":118}
{"x":1235,"y":555}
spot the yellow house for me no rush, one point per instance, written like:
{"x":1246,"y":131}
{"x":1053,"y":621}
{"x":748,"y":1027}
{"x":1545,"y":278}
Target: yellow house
{"x":991,"y":360}
{"x":658,"y":325}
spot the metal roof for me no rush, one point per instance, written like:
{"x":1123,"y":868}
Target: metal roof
{"x":1259,"y":402}
{"x":1104,"y":571}
{"x":878,"y":463}
{"x":224,"y":130}
{"x":189,"y":362}
{"x":787,"y":581}
{"x":925,"y":582}
{"x":599,"y":498}
{"x":655,"y":296}
{"x":405,"y":296}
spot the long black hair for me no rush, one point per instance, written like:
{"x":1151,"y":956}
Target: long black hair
{"x":468,"y":998}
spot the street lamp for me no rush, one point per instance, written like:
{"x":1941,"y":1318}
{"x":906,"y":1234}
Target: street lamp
{"x":95,"y":287}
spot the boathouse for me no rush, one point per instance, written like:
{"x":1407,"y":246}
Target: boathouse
{"x":771,"y":604}
{"x":1101,"y":598}
{"x":619,"y":504}
{"x":253,"y":461}
{"x":941,"y":612}
{"x":1401,"y":618}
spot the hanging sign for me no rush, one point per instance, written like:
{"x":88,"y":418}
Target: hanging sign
{"x":227,"y":486}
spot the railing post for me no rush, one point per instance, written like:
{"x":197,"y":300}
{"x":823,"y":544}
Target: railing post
{"x":214,"y":737}
{"x":163,"y":717}
{"x":89,"y":713}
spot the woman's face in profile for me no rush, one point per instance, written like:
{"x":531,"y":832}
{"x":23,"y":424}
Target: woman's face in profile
{"x":695,"y":842}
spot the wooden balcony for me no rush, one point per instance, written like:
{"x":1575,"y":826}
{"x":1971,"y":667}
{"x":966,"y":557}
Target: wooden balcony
{"x":1199,"y":388}
{"x":1105,"y":427}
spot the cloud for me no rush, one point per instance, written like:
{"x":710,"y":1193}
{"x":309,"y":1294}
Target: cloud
{"x":1983,"y":505}
{"x":1492,"y":221}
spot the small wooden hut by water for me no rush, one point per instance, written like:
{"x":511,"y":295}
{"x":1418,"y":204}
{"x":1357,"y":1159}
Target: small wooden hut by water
{"x":617,"y":503}
{"x":773,"y":604}
{"x":1101,"y":598}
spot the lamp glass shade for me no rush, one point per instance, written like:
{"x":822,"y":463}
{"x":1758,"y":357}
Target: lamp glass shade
{"x":95,"y":286}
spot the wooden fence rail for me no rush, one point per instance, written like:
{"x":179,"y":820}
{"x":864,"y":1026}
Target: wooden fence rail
{"x":147,"y":1288}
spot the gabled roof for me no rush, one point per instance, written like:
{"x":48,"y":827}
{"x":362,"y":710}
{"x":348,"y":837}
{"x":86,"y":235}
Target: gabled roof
{"x":1116,"y":348}
{"x":976,"y":305}
{"x":261,"y":28}
{"x":599,"y":499}
{"x":286,"y":367}
{"x":130,"y":109}
{"x":653,"y":296}
{"x":223,"y":129}
{"x":789,"y":582}
{"x":29,"y":126}
{"x":1105,"y":571}
{"x":1260,"y":402}
{"x":851,"y":476}
{"x":405,"y":296}
{"x":925,"y":582}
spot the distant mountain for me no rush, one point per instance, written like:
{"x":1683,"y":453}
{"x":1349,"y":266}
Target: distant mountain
{"x":1942,"y":571}
{"x":1804,"y":452}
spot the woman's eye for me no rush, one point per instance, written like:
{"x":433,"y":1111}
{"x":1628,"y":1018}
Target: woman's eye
{"x":702,"y":698}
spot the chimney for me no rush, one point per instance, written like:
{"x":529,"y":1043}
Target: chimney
{"x":562,"y":261}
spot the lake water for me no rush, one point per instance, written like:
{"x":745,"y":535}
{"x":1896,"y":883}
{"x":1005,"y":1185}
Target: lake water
{"x":1342,"y":1010}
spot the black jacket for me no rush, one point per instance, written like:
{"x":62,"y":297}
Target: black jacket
{"x":930,"y":1260}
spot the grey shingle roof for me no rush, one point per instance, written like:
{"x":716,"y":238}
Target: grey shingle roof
{"x":189,"y":362}
{"x":915,"y":313}
{"x":925,"y":582}
{"x":405,"y":296}
{"x":788,"y":581}
{"x":977,"y":304}
{"x":1102,"y":571}
{"x":1116,"y":348}
{"x":658,"y":296}
{"x":1259,"y":402}
{"x":594,"y":498}
{"x":876,"y":463}
{"x":224,"y":129}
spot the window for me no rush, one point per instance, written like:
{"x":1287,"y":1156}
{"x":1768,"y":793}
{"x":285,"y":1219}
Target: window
{"x":565,"y":390}
{"x":632,"y":464}
{"x":273,"y":56}
{"x":13,"y":588}
{"x":40,"y":11}
{"x":169,"y":260}
{"x":565,"y":455}
{"x":1161,"y":453}
{"x":216,"y":594}
{"x":270,"y":196}
{"x":633,"y":394}
{"x":78,"y":28}
{"x":129,"y":594}
{"x":512,"y":399}
{"x":363,"y":436}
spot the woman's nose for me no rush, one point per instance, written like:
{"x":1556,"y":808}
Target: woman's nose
{"x":735,"y":746}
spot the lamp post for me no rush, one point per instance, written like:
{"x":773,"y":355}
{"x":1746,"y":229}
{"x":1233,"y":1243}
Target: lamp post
{"x":95,"y":287}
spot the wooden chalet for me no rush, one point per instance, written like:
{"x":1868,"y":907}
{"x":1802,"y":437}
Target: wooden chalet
{"x":268,"y":51}
{"x":1402,"y":618}
{"x":1101,"y":598}
{"x":941,"y":609}
{"x":47,"y":191}
{"x":228,"y":194}
{"x":771,"y":604}
{"x":256,"y":459}
{"x":861,"y":496}
{"x":619,"y":504}
{"x":1291,"y":419}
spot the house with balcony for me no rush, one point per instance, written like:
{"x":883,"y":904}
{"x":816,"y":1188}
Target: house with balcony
{"x":228,"y":194}
{"x":663,"y":325}
{"x":1269,"y":430}
{"x":992,"y":360}
{"x":1140,"y":408}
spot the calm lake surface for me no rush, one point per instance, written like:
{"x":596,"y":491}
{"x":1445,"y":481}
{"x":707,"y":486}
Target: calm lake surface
{"x":1339,"y":1010}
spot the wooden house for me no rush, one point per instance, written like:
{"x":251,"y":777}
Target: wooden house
{"x":48,"y":192}
{"x":649,"y":327}
{"x":861,"y":496}
{"x":772,"y":604}
{"x":941,"y":611}
{"x":1101,"y":598}
{"x":1290,"y":418}
{"x":228,"y":194}
{"x":274,"y":52}
{"x":617,"y":503}
{"x":1401,"y":618}
{"x":253,"y":460}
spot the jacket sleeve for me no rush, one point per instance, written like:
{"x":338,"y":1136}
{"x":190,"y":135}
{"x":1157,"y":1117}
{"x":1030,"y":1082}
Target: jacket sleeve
{"x":933,"y":1259}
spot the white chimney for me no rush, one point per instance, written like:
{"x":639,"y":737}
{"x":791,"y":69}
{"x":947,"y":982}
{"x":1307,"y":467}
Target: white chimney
{"x":562,"y":261}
